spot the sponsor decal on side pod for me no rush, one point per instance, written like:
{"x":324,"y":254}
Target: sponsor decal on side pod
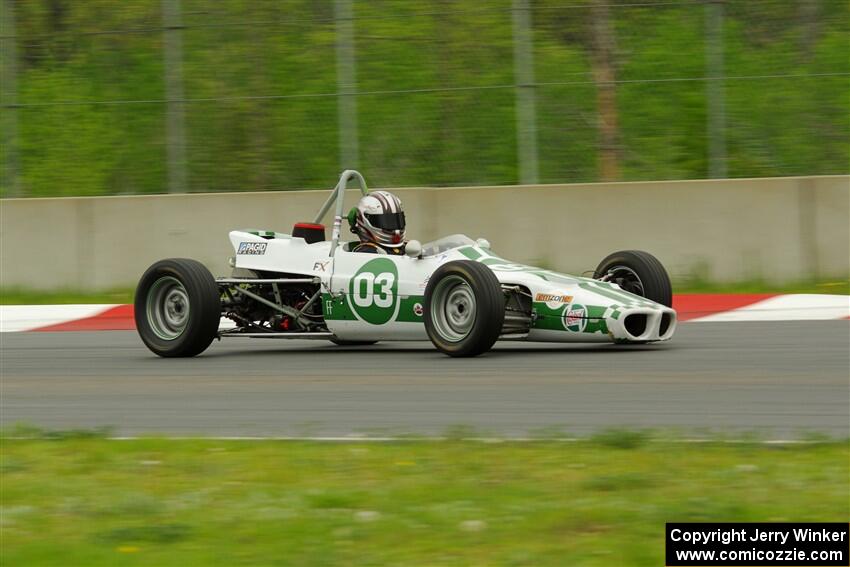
{"x":575,"y":318}
{"x":252,"y":248}
{"x":552,"y":298}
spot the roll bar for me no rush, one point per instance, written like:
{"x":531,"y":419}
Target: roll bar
{"x":338,"y":194}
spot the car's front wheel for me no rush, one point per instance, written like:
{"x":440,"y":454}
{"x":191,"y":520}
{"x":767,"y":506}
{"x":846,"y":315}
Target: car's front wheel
{"x":464,"y":308}
{"x":177,"y":308}
{"x":639,"y":273}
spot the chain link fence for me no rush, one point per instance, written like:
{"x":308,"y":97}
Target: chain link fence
{"x":143,"y":96}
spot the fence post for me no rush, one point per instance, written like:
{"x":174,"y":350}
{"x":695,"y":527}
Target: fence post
{"x":346,"y":85}
{"x":715,"y":89}
{"x":175,"y":132}
{"x":9,"y":97}
{"x":526,"y":118}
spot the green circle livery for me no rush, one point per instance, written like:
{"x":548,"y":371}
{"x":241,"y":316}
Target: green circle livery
{"x":373,"y":292}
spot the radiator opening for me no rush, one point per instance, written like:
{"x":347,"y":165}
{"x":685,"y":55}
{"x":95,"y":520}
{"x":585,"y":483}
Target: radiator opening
{"x":635,"y":324}
{"x":665,"y":323}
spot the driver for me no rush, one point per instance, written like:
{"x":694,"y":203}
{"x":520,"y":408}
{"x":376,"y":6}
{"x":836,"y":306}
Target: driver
{"x":378,"y":219}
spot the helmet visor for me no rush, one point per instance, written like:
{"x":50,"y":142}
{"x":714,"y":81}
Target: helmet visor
{"x":387,"y":221}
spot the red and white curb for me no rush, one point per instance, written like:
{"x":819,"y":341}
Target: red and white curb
{"x":690,"y":307}
{"x":92,"y":317}
{"x":761,"y":307}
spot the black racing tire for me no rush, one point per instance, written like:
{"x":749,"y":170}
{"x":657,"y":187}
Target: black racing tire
{"x":177,"y":308}
{"x":464,"y":308}
{"x":340,"y":342}
{"x":639,"y":273}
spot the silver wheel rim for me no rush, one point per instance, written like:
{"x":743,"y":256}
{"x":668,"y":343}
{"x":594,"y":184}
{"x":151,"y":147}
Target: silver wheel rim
{"x":168,"y":308}
{"x":453,"y":308}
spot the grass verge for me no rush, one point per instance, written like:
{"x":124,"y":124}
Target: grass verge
{"x":84,"y":500}
{"x":840,"y":287}
{"x":20,"y":296}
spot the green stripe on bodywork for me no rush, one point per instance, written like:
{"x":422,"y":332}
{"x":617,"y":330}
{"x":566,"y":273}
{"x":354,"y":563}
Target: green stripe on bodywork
{"x":519,"y":268}
{"x":615,"y":294}
{"x":470,"y":252}
{"x":338,"y":309}
{"x":406,"y":311}
{"x":495,"y":262}
{"x":553,"y":319}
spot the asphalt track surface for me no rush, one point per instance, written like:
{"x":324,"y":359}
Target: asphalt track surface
{"x":780,"y":380}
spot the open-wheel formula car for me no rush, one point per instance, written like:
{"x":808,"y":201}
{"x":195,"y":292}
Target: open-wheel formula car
{"x":454,"y":291}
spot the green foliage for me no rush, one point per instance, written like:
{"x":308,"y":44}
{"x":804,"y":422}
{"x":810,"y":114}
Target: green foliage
{"x":238,"y":54}
{"x":20,"y":296}
{"x":621,"y":438}
{"x":26,"y":431}
{"x":94,"y":502}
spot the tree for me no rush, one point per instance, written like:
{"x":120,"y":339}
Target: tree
{"x":592,"y":29}
{"x":602,"y":54}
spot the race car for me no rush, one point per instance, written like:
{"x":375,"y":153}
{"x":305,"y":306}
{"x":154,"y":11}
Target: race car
{"x":455,"y":291}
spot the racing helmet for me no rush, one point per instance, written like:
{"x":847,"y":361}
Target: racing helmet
{"x":378,"y":217}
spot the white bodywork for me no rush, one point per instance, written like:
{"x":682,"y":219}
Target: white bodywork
{"x":380,"y":297}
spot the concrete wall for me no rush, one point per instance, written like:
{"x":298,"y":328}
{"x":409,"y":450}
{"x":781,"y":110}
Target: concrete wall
{"x":779,"y":229}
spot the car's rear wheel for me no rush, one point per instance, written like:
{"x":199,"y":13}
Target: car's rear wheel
{"x":177,"y":308}
{"x":464,"y":308}
{"x":639,"y":273}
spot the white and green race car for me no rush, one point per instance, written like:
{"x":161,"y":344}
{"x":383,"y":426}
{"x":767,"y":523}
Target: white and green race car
{"x":454,"y":291}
